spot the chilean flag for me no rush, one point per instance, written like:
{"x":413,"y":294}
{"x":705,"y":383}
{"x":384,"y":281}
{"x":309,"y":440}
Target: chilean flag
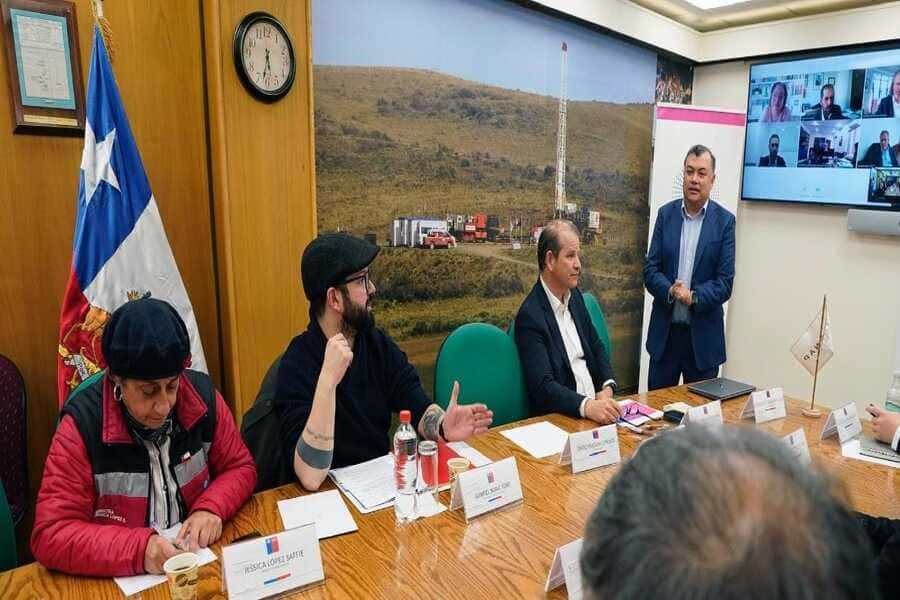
{"x":120,"y":250}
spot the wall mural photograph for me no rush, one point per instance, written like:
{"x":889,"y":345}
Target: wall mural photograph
{"x":449,"y":132}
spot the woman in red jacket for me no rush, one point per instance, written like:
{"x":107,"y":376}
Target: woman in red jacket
{"x":147,"y":446}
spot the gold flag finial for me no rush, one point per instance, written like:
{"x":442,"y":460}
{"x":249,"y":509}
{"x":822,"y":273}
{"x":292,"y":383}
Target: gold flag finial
{"x":105,"y":28}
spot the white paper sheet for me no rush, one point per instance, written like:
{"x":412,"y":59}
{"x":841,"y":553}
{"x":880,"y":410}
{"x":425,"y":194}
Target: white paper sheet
{"x":539,"y":439}
{"x":466,"y":451}
{"x":138,"y":583}
{"x":851,"y":450}
{"x":326,"y":509}
{"x":370,"y":485}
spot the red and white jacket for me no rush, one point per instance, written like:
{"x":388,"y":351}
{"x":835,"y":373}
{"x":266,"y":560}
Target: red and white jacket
{"x":93,"y":508}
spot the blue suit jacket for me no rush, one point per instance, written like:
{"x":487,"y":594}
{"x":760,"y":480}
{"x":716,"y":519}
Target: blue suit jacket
{"x":548,"y":374}
{"x":711,"y":281}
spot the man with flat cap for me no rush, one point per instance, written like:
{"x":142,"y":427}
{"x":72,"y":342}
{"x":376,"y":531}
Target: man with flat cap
{"x":340,"y":380}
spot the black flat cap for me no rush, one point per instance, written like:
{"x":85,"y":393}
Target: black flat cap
{"x":146,"y":339}
{"x":330,"y":258}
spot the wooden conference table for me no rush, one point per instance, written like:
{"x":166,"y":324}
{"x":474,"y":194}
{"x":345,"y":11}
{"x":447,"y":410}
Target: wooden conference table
{"x":505,"y":554}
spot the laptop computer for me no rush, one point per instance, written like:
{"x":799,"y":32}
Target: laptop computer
{"x":721,"y":388}
{"x":875,"y":449}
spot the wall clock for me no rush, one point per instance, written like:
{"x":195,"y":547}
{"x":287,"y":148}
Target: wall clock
{"x":264,"y":56}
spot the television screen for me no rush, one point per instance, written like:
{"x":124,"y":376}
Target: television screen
{"x":825,"y":130}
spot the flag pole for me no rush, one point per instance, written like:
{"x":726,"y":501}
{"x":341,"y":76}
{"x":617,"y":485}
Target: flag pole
{"x":812,"y":411}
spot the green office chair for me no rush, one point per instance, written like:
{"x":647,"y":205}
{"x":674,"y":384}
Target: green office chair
{"x":90,"y":380}
{"x":8,"y":557}
{"x":485,"y":361}
{"x":599,"y":321}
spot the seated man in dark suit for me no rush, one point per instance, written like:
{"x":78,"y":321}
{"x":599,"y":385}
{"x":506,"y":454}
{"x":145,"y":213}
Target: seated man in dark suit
{"x":565,"y":364}
{"x":826,"y":109}
{"x":772,"y":159}
{"x":889,"y":105}
{"x":881,"y":154}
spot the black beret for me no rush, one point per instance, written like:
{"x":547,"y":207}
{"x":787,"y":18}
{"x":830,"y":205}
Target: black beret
{"x":146,"y":339}
{"x":332,"y":257}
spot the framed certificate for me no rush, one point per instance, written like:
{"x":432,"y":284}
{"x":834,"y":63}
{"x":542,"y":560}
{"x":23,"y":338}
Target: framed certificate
{"x":44,"y":64}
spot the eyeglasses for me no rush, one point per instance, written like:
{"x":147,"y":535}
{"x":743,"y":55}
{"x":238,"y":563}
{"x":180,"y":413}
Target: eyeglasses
{"x":364,"y":276}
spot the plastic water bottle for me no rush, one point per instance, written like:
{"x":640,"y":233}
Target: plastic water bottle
{"x":405,"y":469}
{"x":892,"y":400}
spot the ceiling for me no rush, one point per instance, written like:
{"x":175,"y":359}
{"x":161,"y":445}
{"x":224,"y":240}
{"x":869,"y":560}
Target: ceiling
{"x":749,"y":12}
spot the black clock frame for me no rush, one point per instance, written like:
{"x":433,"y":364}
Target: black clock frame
{"x":237,"y":50}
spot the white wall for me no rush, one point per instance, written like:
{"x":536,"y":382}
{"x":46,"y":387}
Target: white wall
{"x":787,"y":257}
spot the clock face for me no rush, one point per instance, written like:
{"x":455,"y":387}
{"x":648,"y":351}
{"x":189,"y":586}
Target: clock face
{"x":266,"y":56}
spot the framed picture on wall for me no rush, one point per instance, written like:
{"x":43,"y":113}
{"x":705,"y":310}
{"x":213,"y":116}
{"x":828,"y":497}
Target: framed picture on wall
{"x":44,"y":66}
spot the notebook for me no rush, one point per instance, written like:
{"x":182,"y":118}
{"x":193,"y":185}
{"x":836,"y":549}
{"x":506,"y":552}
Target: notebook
{"x":721,"y":388}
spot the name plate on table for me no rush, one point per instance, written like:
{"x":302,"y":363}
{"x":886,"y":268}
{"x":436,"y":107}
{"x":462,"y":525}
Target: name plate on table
{"x":844,"y":422}
{"x":796,"y":443}
{"x":566,"y":568}
{"x":705,"y":414}
{"x":765,"y":405}
{"x":270,"y":565}
{"x":590,"y":449}
{"x":487,"y":488}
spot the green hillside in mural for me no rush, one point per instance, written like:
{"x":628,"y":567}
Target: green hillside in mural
{"x":394,"y":142}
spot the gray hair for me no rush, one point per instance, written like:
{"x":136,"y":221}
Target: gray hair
{"x":718,"y":513}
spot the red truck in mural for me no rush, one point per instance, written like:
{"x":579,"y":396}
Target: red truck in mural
{"x":475,"y":229}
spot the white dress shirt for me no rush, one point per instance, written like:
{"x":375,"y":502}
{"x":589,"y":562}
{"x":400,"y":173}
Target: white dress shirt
{"x":895,"y":443}
{"x":896,"y":107}
{"x":584,"y":384}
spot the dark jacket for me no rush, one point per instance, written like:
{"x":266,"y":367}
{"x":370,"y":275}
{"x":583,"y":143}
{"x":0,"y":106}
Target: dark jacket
{"x":548,"y":374}
{"x":886,"y":107}
{"x":872,"y":157}
{"x":764,"y":161}
{"x":711,"y":281}
{"x":92,"y":510}
{"x":815,"y":113}
{"x":380,"y":380}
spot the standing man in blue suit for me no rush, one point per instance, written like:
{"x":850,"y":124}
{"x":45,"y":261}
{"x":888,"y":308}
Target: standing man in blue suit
{"x":566,"y":366}
{"x":689,"y":272}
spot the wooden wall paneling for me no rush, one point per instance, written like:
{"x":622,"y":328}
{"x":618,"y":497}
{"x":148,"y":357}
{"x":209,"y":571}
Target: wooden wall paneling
{"x":264,"y":196}
{"x":159,"y":69}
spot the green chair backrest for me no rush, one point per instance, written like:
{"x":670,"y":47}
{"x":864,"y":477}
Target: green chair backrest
{"x":8,"y":557}
{"x":485,"y":361}
{"x":599,"y":321}
{"x":87,"y":382}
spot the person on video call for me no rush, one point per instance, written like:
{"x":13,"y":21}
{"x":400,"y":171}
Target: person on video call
{"x":890,"y":105}
{"x":880,"y":154}
{"x":772,"y":159}
{"x":826,"y":109}
{"x":777,"y":109}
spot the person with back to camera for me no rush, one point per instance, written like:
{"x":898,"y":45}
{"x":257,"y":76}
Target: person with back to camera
{"x":722,"y":513}
{"x":148,"y":445}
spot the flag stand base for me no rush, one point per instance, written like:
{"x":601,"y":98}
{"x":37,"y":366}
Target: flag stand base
{"x":812,"y":413}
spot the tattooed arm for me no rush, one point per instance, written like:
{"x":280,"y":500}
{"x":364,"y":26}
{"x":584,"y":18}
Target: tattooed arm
{"x":315,"y":446}
{"x":430,"y":423}
{"x":457,"y":423}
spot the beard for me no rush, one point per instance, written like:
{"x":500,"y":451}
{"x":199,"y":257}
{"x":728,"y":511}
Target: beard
{"x":357,"y":319}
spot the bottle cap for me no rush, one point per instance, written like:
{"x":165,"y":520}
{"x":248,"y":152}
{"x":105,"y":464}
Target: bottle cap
{"x":404,"y":416}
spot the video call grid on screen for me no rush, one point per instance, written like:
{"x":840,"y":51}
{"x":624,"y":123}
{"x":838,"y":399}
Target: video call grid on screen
{"x":838,"y":114}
